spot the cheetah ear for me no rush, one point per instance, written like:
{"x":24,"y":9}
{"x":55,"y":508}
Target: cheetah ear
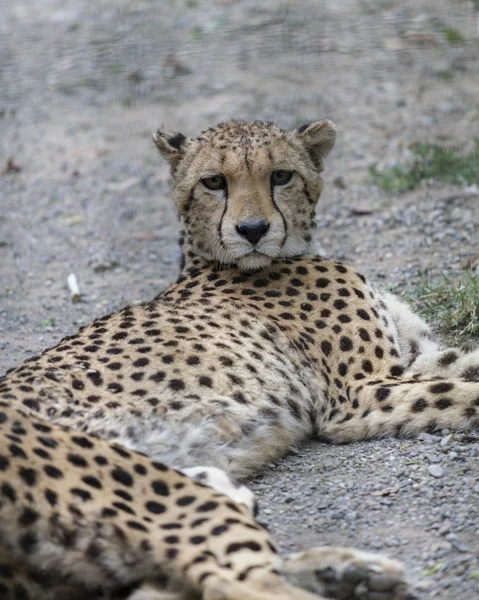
{"x":318,"y":138}
{"x":172,"y":146}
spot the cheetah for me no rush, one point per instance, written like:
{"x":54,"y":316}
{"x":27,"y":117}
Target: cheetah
{"x":259,"y":345}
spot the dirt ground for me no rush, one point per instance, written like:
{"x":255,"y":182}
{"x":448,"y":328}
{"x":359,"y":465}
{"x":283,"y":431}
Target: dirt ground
{"x":82,"y":190}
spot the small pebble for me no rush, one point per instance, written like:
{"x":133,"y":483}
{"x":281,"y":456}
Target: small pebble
{"x":436,"y":471}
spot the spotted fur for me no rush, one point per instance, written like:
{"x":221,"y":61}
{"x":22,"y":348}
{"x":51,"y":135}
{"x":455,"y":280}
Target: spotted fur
{"x":256,"y":347}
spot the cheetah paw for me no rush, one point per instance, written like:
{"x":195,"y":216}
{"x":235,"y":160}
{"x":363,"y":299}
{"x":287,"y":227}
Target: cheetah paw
{"x":347,"y":574}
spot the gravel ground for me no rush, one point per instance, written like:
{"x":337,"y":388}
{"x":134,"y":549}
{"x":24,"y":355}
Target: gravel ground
{"x":81,"y":88}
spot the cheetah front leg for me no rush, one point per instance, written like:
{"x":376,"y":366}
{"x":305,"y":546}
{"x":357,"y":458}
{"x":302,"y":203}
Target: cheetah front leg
{"x":347,"y":574}
{"x":320,"y":573}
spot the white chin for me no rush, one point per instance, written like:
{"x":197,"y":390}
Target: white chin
{"x":253,"y":261}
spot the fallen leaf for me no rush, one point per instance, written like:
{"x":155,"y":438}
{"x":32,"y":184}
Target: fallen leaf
{"x":433,"y":570}
{"x":88,"y":153}
{"x":422,"y":39}
{"x":386,"y":492}
{"x":74,"y":220}
{"x":122,"y":186}
{"x":144,"y":235}
{"x":361,"y":210}
{"x":11,"y":167}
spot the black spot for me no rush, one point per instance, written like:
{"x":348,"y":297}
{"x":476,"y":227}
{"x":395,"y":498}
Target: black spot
{"x":121,"y":451}
{"x":124,"y":507}
{"x":122,"y":476}
{"x":363,"y":314}
{"x":163,"y":468}
{"x":16,"y":451}
{"x":171,"y":539}
{"x":31,"y":403}
{"x":342,"y":369}
{"x":29,"y":476}
{"x":158,"y":376}
{"x":441,"y":387}
{"x":176,"y":140}
{"x":141,"y":362}
{"x":206,"y":381}
{"x":379,"y":352}
{"x":207,"y":506}
{"x":114,"y":366}
{"x":92,"y":481}
{"x":140,"y":469}
{"x":322,"y":282}
{"x":419,"y":405}
{"x":302,"y":129}
{"x":77,"y":460}
{"x":345,"y":344}
{"x":51,"y":497}
{"x":185,"y":500}
{"x":396,"y":371}
{"x":136,"y":525}
{"x":364,"y":335}
{"x":115,"y":388}
{"x":125,"y":495}
{"x":443,"y":403}
{"x":326,"y":347}
{"x":471,"y":374}
{"x":83,"y":494}
{"x":219,"y":530}
{"x":155,"y":507}
{"x":198,"y":522}
{"x":49,"y":442}
{"x":367,"y":366}
{"x":197,"y":539}
{"x":82,"y":441}
{"x":53,"y":472}
{"x":340,"y":304}
{"x":8,"y":492}
{"x":28,"y":517}
{"x":237,"y":546}
{"x":382,"y":393}
{"x":160,"y":488}
{"x":27,"y":542}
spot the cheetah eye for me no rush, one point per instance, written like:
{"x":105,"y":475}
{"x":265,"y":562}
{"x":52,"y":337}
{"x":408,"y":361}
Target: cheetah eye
{"x":281,"y":177}
{"x":217,"y":182}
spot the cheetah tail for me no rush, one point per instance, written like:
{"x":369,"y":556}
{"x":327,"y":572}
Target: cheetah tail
{"x":402,"y":408}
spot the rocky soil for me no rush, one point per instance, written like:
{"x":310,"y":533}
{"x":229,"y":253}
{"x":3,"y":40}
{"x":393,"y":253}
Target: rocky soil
{"x":82,"y":85}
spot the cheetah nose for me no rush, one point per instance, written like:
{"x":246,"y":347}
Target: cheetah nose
{"x":253,"y":231}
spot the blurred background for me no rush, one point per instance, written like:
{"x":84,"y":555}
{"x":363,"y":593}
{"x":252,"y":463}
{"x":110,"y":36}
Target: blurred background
{"x":83,"y":85}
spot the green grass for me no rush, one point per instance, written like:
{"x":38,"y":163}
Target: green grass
{"x":430,"y":162}
{"x":451,"y":304}
{"x":453,"y":36}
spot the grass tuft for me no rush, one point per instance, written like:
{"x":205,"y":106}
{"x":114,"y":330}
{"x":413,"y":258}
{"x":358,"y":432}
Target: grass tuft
{"x":452,"y":304}
{"x":430,"y":162}
{"x":453,"y":36}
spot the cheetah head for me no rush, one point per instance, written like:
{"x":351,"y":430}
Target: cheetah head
{"x":246,"y":191}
